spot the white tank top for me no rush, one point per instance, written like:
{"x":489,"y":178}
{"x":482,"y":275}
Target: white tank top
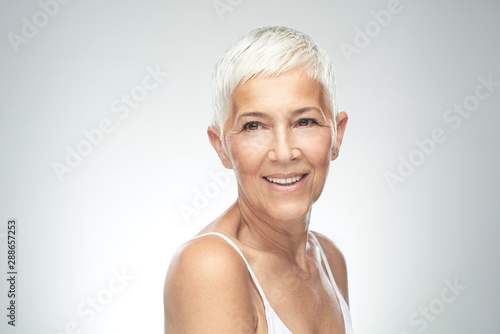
{"x":274,"y":323}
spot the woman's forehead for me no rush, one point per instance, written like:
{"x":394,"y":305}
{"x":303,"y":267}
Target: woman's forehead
{"x":285,"y":90}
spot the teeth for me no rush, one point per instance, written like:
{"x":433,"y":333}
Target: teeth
{"x":289,"y":180}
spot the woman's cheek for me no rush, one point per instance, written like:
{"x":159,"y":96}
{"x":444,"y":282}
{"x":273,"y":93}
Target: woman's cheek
{"x":319,"y":141}
{"x":255,"y":143}
{"x":249,"y":148}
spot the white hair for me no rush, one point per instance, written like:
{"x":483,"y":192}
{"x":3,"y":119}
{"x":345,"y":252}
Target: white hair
{"x":267,"y":52}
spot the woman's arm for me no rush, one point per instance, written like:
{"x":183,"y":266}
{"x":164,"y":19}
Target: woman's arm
{"x":208,"y":290}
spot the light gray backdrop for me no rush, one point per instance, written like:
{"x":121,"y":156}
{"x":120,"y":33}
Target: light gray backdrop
{"x":107,"y":169}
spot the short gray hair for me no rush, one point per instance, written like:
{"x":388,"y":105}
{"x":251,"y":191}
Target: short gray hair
{"x":267,"y":52}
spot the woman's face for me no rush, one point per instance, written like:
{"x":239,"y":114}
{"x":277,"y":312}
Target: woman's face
{"x":279,"y":139}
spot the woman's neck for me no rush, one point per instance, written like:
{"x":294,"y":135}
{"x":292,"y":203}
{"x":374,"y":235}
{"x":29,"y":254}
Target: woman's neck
{"x":271,"y":234}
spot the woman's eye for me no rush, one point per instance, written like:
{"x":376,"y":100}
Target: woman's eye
{"x":305,"y":122}
{"x":252,"y":126}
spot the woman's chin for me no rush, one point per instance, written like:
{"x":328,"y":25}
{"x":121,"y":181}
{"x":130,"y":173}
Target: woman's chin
{"x":289,"y":211}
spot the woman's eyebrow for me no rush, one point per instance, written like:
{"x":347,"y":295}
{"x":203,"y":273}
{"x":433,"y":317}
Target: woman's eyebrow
{"x":303,"y":110}
{"x":259,"y":114}
{"x":253,"y":114}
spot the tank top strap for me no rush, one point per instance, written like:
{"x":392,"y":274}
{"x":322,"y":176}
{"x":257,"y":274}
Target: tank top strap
{"x":343,"y":304}
{"x":325,"y":262}
{"x":231,"y":242}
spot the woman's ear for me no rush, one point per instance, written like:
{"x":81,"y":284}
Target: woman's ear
{"x":216,"y":141}
{"x":341,"y":125}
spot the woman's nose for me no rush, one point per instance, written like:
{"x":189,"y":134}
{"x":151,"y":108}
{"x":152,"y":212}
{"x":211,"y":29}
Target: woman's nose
{"x":283,"y":147}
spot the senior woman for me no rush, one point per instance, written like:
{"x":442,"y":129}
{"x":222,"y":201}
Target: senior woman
{"x":257,"y":268}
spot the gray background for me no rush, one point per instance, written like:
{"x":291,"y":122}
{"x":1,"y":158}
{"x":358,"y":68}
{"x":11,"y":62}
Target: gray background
{"x":121,"y":208}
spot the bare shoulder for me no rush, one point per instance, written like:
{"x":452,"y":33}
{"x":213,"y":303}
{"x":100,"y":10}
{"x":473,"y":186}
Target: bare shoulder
{"x":207,"y":289}
{"x":337,"y":263}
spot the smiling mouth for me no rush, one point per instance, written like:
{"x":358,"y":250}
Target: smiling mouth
{"x":285,"y":182}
